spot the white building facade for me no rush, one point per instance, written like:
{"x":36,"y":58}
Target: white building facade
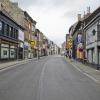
{"x":92,"y":31}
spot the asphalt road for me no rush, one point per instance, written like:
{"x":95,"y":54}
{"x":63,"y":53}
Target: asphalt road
{"x":50,"y":78}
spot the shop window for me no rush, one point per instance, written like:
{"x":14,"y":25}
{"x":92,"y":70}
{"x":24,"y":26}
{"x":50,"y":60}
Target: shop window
{"x":12,"y":53}
{"x":4,"y":53}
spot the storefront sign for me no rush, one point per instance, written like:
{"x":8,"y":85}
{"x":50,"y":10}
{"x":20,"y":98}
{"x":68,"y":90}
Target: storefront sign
{"x":4,"y":45}
{"x":12,"y":46}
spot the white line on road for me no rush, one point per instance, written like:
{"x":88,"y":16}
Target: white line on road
{"x":86,"y":74}
{"x":41,"y":81}
{"x":76,"y":67}
{"x":91,"y":77}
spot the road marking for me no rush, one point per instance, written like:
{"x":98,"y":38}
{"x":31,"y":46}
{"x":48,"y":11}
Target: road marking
{"x":41,"y":81}
{"x":91,"y":77}
{"x":86,"y":74}
{"x":76,"y":68}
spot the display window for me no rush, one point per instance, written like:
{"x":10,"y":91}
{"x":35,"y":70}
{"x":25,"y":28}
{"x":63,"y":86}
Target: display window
{"x":12,"y":53}
{"x":4,"y":53}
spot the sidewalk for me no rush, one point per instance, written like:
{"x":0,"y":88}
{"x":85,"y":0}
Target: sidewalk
{"x":13,"y":63}
{"x":86,"y":70}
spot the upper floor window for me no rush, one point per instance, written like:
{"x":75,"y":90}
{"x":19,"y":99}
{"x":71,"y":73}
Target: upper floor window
{"x":0,"y":25}
{"x":11,"y":32}
{"x":7,"y":30}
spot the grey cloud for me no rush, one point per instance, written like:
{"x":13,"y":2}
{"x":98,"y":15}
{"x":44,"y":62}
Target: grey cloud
{"x":55,"y":3}
{"x":69,"y":14}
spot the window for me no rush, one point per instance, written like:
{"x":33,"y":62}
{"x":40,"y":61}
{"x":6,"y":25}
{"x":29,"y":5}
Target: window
{"x":0,"y":26}
{"x":3,"y":25}
{"x":12,"y":53}
{"x":7,"y":30}
{"x":16,"y":34}
{"x":4,"y":52}
{"x":11,"y":31}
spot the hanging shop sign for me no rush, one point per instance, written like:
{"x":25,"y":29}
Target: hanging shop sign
{"x":33,"y":43}
{"x":21,"y":35}
{"x":70,"y":43}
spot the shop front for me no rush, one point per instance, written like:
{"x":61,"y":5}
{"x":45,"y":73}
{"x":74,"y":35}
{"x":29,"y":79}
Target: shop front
{"x":8,"y":50}
{"x":8,"y":38}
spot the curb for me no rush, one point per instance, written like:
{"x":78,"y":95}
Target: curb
{"x":86,"y":73}
{"x":13,"y":65}
{"x":18,"y":63}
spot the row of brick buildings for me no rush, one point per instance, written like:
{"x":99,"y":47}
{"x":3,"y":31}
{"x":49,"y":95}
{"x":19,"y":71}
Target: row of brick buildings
{"x":85,"y":35}
{"x":19,"y":37}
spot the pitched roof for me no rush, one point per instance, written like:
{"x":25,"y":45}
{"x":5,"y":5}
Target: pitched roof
{"x":92,"y":15}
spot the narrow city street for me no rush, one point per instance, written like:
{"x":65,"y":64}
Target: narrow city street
{"x":49,"y":78}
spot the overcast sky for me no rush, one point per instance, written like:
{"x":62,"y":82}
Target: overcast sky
{"x":54,"y":17}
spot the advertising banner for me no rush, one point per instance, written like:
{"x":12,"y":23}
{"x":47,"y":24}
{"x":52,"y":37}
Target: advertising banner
{"x":79,"y":38}
{"x":21,"y":35}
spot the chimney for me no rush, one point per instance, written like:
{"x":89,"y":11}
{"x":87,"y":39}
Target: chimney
{"x":88,"y":10}
{"x":79,"y":17}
